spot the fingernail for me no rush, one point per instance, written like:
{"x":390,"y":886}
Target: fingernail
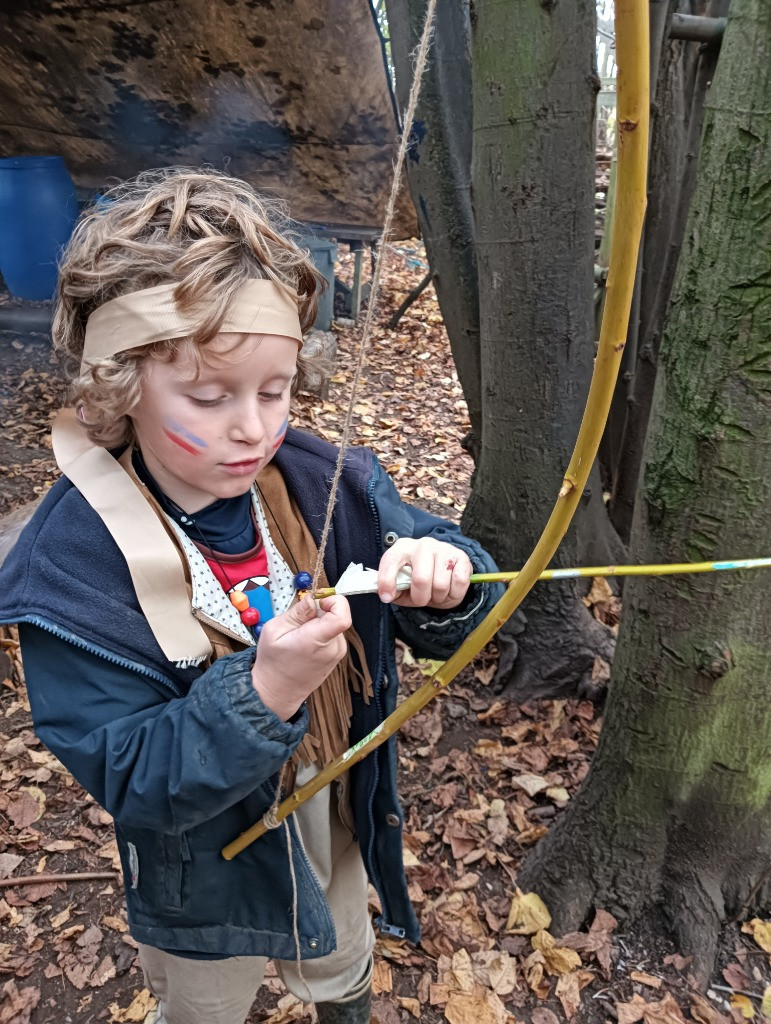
{"x":387,"y":597}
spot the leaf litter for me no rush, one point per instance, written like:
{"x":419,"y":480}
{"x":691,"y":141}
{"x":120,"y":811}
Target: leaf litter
{"x":482,"y":779}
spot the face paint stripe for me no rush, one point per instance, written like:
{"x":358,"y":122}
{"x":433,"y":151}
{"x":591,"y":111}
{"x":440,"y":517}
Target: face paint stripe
{"x":283,"y":428}
{"x":181,"y":442}
{"x":188,"y":434}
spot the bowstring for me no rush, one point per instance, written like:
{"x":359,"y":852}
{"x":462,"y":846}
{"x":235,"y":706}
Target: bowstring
{"x":421,"y":59}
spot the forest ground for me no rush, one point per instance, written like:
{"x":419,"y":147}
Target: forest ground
{"x":482,"y":778}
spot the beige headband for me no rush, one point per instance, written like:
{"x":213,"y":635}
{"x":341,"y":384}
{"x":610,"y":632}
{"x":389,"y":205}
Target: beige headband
{"x":140,"y":318}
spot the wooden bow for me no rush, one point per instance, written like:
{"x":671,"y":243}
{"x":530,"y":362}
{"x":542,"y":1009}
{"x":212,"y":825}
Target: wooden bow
{"x":632,"y":44}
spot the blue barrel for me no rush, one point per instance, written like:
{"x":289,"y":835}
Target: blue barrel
{"x":38,"y":209}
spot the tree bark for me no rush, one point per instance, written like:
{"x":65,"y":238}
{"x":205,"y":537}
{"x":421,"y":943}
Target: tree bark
{"x":674,"y":820}
{"x":438,"y":171}
{"x":684,"y":75}
{"x":533,"y":187}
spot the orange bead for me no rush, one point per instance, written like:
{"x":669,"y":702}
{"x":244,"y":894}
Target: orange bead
{"x":239,"y":599}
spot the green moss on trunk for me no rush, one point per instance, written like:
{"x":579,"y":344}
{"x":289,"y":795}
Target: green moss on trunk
{"x":675,"y":816}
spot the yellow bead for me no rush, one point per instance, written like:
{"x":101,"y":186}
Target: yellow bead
{"x":240,"y":600}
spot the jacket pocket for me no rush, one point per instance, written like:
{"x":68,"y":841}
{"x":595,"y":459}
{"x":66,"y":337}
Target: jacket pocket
{"x":176,"y":858}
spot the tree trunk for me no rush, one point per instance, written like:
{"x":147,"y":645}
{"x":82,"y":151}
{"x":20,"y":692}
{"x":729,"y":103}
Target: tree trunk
{"x":438,"y":170}
{"x":684,"y":75}
{"x":534,"y":89}
{"x":674,"y":820}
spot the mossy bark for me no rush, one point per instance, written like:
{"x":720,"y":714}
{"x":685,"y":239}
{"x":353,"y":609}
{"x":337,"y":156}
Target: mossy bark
{"x":534,"y":89}
{"x":674,"y":820}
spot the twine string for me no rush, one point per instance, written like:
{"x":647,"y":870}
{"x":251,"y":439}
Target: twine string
{"x":421,"y":59}
{"x":270,"y":819}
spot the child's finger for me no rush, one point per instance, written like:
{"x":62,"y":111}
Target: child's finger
{"x":334,"y":620}
{"x":423,"y":563}
{"x":460,"y":579}
{"x":394,"y":559}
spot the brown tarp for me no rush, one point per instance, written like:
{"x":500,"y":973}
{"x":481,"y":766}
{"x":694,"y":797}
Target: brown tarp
{"x":290,"y":94}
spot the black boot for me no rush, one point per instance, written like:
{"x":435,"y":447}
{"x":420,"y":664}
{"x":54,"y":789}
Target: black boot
{"x":356,"y":1011}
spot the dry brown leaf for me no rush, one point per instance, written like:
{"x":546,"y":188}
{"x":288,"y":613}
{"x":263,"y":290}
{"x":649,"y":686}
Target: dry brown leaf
{"x":736,"y":976}
{"x":116,"y":923}
{"x":568,"y":992}
{"x":528,"y":914}
{"x":8,"y":863}
{"x":542,"y":1015}
{"x":645,"y":979}
{"x":26,"y":806}
{"x":495,"y":969}
{"x":61,"y":918}
{"x":102,"y":973}
{"x":666,"y":1011}
{"x":765,"y":1005}
{"x":461,"y":974}
{"x":411,"y":1005}
{"x":631,"y":1012}
{"x":478,"y":1007}
{"x":382,"y":977}
{"x":17,"y":1004}
{"x":531,"y":783}
{"x":109,"y":851}
{"x":704,"y":1012}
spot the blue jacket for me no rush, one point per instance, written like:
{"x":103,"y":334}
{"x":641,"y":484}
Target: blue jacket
{"x":184,"y":759}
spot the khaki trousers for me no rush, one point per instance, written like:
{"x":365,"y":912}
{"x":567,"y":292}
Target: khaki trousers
{"x":222,"y":991}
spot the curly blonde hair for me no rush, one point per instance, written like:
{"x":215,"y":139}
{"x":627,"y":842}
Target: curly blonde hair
{"x":199,"y":229}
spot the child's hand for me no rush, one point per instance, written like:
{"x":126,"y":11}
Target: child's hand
{"x":440,"y":573}
{"x":297,"y":651}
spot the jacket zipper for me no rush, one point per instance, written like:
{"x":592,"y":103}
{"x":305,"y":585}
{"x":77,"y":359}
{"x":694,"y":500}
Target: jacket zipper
{"x":378,"y":704}
{"x":76,"y":641}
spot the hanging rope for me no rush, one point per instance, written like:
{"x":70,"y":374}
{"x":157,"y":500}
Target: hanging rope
{"x":420,"y":66}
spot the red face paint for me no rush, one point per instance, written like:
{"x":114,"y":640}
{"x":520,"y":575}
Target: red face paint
{"x":452,"y":563}
{"x":181,"y":442}
{"x":281,"y":434}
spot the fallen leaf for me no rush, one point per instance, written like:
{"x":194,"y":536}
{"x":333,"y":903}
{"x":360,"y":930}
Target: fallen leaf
{"x":478,"y":1007}
{"x":631,"y":1012}
{"x":765,"y":1006}
{"x":116,"y":923}
{"x":743,"y":1004}
{"x":736,"y":976}
{"x":102,"y":973}
{"x":26,"y":806}
{"x":532,"y":784}
{"x":704,"y":1012}
{"x":411,"y":1005}
{"x":382,"y":977}
{"x":760,"y":931}
{"x":645,"y":979}
{"x":8,"y":864}
{"x":557,"y":959}
{"x":528,"y":914}
{"x":141,"y":1005}
{"x":17,"y":1004}
{"x":542,"y":1015}
{"x":666,"y":1011}
{"x":569,"y":994}
{"x":61,"y":918}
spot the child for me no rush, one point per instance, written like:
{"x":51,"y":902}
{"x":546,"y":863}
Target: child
{"x":169,"y":666}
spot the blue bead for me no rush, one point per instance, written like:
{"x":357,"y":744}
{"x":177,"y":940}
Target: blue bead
{"x":303,"y":581}
{"x":257,"y":630}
